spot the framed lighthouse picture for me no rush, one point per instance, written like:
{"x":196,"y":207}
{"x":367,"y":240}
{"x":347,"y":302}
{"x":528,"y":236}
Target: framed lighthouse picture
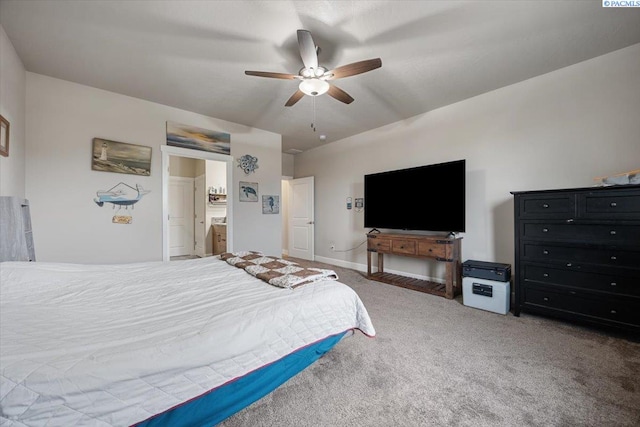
{"x":120,"y":157}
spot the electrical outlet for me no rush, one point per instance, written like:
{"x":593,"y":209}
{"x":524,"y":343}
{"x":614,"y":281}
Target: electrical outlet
{"x":332,"y":246}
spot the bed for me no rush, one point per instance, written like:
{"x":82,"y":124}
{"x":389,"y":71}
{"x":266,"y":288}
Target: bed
{"x":157,"y":343}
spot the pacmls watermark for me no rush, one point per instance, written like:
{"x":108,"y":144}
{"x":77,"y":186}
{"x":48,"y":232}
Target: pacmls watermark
{"x":620,"y":3}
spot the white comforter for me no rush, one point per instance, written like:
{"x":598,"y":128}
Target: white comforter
{"x":105,"y":345}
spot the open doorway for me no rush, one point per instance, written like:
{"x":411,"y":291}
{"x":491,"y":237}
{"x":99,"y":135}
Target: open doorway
{"x":197,"y":207}
{"x":197,"y":219}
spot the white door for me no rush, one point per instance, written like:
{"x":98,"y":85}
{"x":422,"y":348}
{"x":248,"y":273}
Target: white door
{"x":180,"y":216}
{"x":200,"y":221}
{"x":301,"y":225}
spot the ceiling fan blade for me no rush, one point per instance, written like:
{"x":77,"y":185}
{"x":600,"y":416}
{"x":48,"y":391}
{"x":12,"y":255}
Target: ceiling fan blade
{"x":294,"y":98}
{"x":307,"y":49}
{"x":355,"y":68}
{"x":339,"y":94}
{"x":271,"y":75}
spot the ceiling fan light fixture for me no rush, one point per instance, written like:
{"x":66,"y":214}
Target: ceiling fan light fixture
{"x":314,"y":77}
{"x":314,"y":87}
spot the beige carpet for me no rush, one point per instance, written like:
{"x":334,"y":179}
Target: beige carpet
{"x":436,"y":362}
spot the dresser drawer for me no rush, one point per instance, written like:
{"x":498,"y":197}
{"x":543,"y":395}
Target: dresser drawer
{"x":611,"y":309}
{"x":597,"y":233}
{"x":547,"y":206}
{"x":614,"y":205}
{"x":380,"y":245}
{"x":434,"y":250}
{"x":405,"y":247}
{"x":623,"y":283}
{"x":610,"y":256}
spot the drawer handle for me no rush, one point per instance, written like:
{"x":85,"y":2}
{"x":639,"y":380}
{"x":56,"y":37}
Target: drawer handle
{"x":613,"y":258}
{"x":545,"y":274}
{"x":545,"y":230}
{"x":614,"y":284}
{"x":569,"y":264}
{"x":545,"y":252}
{"x":613,"y":232}
{"x":545,"y":205}
{"x":546,"y":298}
{"x":614,"y":312}
{"x":401,"y":247}
{"x":613,"y":204}
{"x":570,"y":220}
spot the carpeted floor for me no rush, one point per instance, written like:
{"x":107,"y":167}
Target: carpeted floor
{"x":436,"y":362}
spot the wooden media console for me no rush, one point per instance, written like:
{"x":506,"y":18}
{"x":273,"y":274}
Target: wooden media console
{"x":444,"y":249}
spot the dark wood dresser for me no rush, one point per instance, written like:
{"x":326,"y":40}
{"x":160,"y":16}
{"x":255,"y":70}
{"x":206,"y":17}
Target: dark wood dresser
{"x":577,"y":255}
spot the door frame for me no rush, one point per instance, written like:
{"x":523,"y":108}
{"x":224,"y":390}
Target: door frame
{"x":203,"y":213}
{"x":168,"y":151}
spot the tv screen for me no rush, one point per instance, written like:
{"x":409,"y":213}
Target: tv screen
{"x":426,"y":198}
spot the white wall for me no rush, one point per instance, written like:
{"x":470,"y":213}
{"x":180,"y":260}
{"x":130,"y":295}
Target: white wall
{"x":216,"y":175}
{"x":558,"y":130}
{"x":287,"y":164}
{"x":255,"y":224}
{"x":12,"y":108}
{"x":182,"y":166}
{"x":288,"y":161}
{"x":284,"y":212}
{"x":64,"y":117}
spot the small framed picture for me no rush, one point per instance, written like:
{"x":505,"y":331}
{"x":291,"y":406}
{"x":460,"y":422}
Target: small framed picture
{"x":270,"y":204}
{"x":248,"y":191}
{"x":4,"y":137}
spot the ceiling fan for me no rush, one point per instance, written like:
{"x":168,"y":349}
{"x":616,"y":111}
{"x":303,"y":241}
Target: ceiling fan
{"x":315,"y":78}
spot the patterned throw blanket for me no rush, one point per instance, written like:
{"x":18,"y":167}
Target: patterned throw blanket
{"x":277,"y":271}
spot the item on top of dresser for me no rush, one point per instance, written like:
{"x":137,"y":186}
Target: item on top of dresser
{"x":624,"y":178}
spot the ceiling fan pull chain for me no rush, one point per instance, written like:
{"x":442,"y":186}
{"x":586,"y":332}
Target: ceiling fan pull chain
{"x":314,"y":114}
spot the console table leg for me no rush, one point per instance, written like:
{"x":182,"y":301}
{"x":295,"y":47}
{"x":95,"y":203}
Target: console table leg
{"x":454,"y":272}
{"x":449,"y":277}
{"x":368,"y":264}
{"x":380,"y":262}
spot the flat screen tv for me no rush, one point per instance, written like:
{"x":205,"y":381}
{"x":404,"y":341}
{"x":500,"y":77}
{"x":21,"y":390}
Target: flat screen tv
{"x":425,"y":198}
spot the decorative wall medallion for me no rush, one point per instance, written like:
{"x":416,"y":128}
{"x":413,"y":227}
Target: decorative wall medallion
{"x":248,"y":163}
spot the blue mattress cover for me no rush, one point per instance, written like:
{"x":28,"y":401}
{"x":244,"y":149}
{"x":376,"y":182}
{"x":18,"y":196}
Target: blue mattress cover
{"x":220,"y":403}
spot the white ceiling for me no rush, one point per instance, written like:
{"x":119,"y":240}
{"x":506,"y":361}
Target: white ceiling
{"x":192,"y":54}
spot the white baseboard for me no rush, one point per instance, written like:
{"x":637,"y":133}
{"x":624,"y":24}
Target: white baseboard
{"x":363,"y":268}
{"x":342,"y":263}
